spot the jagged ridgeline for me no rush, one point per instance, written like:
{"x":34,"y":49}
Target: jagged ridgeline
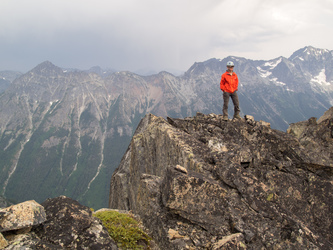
{"x":64,"y":132}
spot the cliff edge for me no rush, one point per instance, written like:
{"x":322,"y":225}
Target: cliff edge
{"x":203,"y":183}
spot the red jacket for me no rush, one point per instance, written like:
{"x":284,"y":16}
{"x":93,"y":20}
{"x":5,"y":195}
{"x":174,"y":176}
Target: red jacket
{"x":229,"y":83}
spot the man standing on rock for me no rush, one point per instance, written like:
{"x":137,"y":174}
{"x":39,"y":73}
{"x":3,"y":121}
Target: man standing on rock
{"x":229,"y":86}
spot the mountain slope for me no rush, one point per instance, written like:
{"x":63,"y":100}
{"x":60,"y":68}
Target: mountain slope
{"x":65,"y":132}
{"x":58,"y":127}
{"x":6,"y":77}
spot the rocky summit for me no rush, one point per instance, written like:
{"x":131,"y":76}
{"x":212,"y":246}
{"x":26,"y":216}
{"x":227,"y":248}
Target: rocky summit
{"x":204,"y":183}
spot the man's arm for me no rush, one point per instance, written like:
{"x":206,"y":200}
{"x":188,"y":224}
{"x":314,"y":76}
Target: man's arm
{"x":222,"y":83}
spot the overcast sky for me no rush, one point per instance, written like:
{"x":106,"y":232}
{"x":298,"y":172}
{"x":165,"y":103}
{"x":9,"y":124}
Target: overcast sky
{"x":157,"y":34}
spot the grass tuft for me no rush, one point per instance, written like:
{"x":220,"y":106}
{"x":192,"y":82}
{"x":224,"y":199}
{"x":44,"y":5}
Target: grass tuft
{"x":124,"y":230}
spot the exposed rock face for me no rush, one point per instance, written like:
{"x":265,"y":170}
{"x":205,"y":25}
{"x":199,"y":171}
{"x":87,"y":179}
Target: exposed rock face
{"x":22,"y":215}
{"x":317,"y":138}
{"x":204,"y":183}
{"x":60,"y":223}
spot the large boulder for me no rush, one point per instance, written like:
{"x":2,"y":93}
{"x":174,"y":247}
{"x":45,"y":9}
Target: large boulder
{"x":58,"y":223}
{"x":71,"y":225}
{"x":204,"y":183}
{"x":316,"y":137}
{"x":22,"y":215}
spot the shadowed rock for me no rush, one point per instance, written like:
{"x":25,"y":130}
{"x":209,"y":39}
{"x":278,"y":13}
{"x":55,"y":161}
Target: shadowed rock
{"x":65,"y":224}
{"x":71,"y":225}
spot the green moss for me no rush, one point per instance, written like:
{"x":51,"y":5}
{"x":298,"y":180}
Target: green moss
{"x":270,"y":197}
{"x":123,"y":229}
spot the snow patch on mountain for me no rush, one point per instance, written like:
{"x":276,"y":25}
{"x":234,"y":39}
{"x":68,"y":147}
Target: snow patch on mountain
{"x":320,"y":79}
{"x":263,"y":73}
{"x":275,"y":80}
{"x":273,"y":64}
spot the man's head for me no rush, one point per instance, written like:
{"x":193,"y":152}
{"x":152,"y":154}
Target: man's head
{"x":230,"y":66}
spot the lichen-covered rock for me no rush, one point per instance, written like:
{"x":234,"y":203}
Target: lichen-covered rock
{"x":233,"y":241}
{"x":192,"y":197}
{"x":66,"y":224}
{"x":3,"y":242}
{"x":204,"y":183}
{"x":22,"y":215}
{"x":71,"y":225}
{"x":317,"y":139}
{"x":28,"y":241}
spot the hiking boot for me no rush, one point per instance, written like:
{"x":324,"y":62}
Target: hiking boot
{"x":225,"y":118}
{"x":237,"y":116}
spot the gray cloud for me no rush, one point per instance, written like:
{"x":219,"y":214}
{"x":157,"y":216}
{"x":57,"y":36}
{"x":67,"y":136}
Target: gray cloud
{"x":157,"y":34}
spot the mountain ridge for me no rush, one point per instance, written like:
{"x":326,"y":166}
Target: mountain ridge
{"x":66,"y":131}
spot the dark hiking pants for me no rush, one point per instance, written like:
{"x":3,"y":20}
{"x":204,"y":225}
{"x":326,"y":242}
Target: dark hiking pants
{"x":234,"y":98}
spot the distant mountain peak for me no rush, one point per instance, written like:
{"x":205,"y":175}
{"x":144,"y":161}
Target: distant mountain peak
{"x":308,"y":51}
{"x":47,"y":67}
{"x":46,"y":64}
